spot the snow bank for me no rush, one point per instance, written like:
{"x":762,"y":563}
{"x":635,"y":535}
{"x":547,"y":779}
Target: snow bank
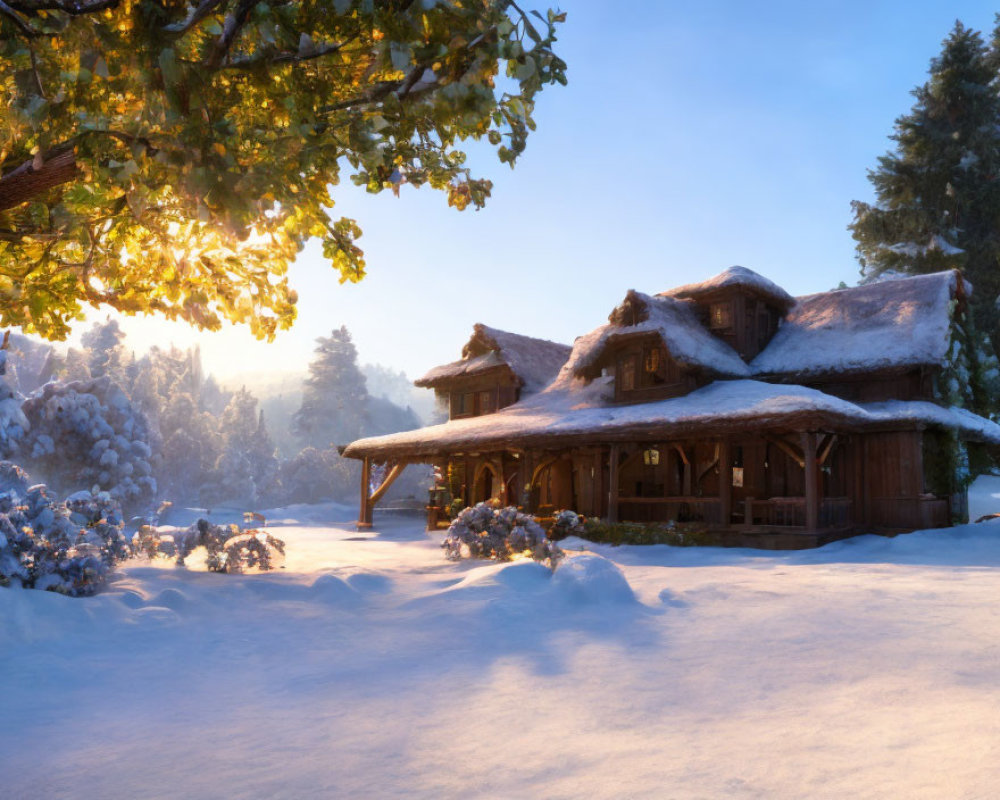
{"x":371,"y":666}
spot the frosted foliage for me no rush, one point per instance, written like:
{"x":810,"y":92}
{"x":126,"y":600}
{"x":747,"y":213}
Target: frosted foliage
{"x":68,"y":547}
{"x":247,"y":467}
{"x":13,"y":424}
{"x":226,"y":547}
{"x":88,"y":433}
{"x":500,"y":534}
{"x":315,"y":475}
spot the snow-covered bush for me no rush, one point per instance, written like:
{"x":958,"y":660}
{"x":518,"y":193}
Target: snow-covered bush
{"x":88,"y":433}
{"x":567,"y":523}
{"x":501,"y":534}
{"x":68,"y":547}
{"x":227,"y":548}
{"x":13,"y":424}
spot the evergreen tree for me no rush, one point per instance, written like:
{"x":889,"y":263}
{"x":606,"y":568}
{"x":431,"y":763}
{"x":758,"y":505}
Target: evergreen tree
{"x":334,"y":396}
{"x":106,"y":355}
{"x":938,"y":197}
{"x":247,"y":465}
{"x":76,"y":367}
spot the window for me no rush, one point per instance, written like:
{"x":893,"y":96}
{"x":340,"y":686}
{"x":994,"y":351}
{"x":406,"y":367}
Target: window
{"x":720,"y":315}
{"x":654,"y":366}
{"x":628,"y":373}
{"x":653,"y":360}
{"x":651,"y":457}
{"x":486,"y":405}
{"x":461,"y":404}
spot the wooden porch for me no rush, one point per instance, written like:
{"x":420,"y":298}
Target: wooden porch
{"x":774,"y":490}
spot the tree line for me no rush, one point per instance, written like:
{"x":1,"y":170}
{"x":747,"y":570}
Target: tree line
{"x":156,"y":427}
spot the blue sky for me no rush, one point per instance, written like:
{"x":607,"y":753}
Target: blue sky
{"x":689,"y":139}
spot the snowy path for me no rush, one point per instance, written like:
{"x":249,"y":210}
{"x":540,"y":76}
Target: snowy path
{"x":371,"y":667}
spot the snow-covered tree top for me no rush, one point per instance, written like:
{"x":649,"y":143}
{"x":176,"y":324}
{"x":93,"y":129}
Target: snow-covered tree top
{"x":535,"y":362}
{"x":733,"y":278}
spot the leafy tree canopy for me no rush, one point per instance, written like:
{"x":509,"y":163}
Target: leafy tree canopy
{"x":158,"y":155}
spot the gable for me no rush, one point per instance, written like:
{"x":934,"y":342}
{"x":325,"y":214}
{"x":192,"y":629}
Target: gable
{"x":673,"y":322}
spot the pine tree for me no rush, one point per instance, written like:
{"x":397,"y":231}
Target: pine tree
{"x":334,"y":397}
{"x":106,"y":355}
{"x":938,"y":193}
{"x":247,"y":465}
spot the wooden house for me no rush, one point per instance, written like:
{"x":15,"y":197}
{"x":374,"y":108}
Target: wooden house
{"x":726,"y":404}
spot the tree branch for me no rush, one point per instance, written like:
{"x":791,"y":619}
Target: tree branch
{"x":22,"y":25}
{"x":281,"y":57}
{"x":53,"y":168}
{"x":205,"y":8}
{"x":72,"y":7}
{"x":230,"y":29}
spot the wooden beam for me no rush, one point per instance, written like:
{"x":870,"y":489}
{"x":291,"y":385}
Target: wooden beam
{"x":613,"y":453}
{"x":687,"y":470}
{"x":391,"y":476}
{"x":826,"y":448}
{"x":365,"y":511}
{"x":726,"y":481}
{"x":812,"y":481}
{"x":712,"y":463}
{"x":787,"y":448}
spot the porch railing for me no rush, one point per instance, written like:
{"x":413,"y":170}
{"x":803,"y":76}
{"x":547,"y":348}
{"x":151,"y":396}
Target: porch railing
{"x":665,"y":509}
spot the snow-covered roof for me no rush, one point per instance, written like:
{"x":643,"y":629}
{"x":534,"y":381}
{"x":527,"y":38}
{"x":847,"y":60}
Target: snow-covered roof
{"x":894,"y":323}
{"x":674,"y":321}
{"x":569,"y":409}
{"x":535,"y":362}
{"x":733,"y":278}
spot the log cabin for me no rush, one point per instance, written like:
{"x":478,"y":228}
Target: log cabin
{"x":728,"y":405}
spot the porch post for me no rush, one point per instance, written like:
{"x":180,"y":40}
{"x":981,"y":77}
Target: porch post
{"x":725,"y":482}
{"x":812,"y":481}
{"x":686,"y":473}
{"x":613,"y":453}
{"x":365,"y":509}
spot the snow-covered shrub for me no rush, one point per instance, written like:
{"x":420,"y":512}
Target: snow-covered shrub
{"x":13,"y":424}
{"x":68,"y":547}
{"x":501,"y":534}
{"x":89,"y":433}
{"x":567,"y":523}
{"x":227,"y":548}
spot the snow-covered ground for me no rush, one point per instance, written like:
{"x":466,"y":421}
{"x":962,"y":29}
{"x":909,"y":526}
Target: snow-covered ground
{"x":372,"y":667}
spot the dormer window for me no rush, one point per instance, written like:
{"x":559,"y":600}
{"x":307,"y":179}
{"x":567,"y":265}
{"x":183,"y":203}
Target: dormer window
{"x":720,"y":315}
{"x":653,"y":360}
{"x":654,"y":364}
{"x":628,"y":373}
{"x":486,"y":404}
{"x":462,"y":404}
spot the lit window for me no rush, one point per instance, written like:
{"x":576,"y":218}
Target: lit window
{"x":653,"y":360}
{"x":721,"y":315}
{"x":651,"y":457}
